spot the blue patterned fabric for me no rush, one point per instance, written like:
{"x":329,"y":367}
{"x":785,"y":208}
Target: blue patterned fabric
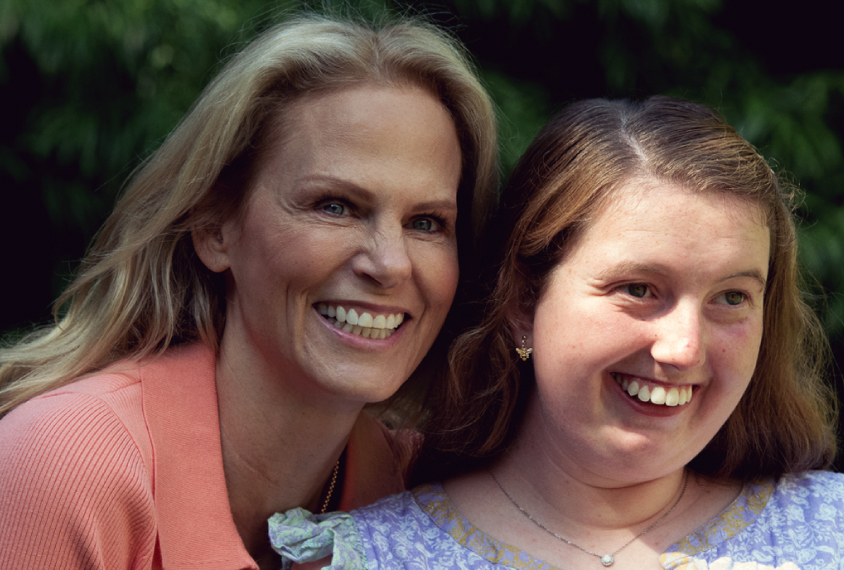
{"x":299,"y":536}
{"x":796,"y":523}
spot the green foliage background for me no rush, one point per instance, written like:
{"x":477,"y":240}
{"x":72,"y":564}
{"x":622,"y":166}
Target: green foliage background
{"x":91,"y":87}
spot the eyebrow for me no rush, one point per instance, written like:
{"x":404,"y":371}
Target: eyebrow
{"x":333,"y":181}
{"x":637,"y":267}
{"x":753,"y":274}
{"x":340,"y":183}
{"x":447,"y":205}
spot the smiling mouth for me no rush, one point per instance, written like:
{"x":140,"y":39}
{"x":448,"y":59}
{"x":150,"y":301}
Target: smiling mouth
{"x":360,"y":322}
{"x":657,"y":395}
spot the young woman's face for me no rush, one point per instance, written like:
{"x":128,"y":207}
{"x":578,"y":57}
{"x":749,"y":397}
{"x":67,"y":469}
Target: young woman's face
{"x":647,"y":333}
{"x":344,"y":265}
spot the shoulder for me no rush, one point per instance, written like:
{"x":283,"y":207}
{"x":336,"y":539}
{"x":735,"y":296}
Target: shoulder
{"x":809,"y":497}
{"x":75,"y":470}
{"x":415,"y":529}
{"x":387,"y":509}
{"x":802,"y":520}
{"x":812,"y":483}
{"x":390,"y":514}
{"x":794,"y":521}
{"x":93,"y":413}
{"x":394,"y":531}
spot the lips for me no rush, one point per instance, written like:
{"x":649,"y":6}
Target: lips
{"x":654,"y":393}
{"x":361,"y":322}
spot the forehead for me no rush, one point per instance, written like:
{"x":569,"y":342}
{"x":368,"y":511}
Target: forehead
{"x":645,"y":196}
{"x":369,"y":118}
{"x":361,"y":105}
{"x":667,"y":223}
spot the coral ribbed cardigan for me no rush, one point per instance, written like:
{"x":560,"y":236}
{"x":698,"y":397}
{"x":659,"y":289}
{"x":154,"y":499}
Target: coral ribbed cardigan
{"x":124,"y":470}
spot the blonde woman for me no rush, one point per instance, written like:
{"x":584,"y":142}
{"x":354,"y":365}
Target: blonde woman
{"x":287,"y":257}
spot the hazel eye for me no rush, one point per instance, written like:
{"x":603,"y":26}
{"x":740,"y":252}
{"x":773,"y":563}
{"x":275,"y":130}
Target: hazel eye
{"x":638,"y":290}
{"x":733,"y":297}
{"x":334,"y":208}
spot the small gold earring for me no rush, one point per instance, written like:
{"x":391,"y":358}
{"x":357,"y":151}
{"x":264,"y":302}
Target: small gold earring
{"x":524,"y":352}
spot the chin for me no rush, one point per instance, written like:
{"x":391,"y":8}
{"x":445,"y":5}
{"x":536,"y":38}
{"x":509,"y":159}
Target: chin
{"x":364,"y":392}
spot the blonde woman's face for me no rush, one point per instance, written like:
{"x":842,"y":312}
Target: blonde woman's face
{"x":648,"y":332}
{"x":344,"y":266}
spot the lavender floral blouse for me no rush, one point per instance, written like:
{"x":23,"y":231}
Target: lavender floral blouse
{"x":796,"y":523}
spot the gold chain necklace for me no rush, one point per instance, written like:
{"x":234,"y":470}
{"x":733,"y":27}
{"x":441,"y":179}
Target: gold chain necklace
{"x":330,"y":487}
{"x":606,"y":559}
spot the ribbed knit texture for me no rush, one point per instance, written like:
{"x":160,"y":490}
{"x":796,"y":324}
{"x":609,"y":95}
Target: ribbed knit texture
{"x":76,"y":492}
{"x":125,"y":471}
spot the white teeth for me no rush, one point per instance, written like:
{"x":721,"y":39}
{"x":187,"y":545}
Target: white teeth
{"x":672,"y":398}
{"x":657,"y":395}
{"x":363,"y":323}
{"x":352,"y":317}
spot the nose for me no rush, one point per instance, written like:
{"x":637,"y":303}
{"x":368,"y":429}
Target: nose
{"x":384,"y":259}
{"x":679,"y":338}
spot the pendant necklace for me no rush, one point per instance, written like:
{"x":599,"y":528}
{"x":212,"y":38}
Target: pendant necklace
{"x":606,"y":559}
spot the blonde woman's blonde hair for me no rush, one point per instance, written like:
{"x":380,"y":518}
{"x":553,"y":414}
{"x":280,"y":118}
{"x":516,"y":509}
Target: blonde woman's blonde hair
{"x":141,"y":287}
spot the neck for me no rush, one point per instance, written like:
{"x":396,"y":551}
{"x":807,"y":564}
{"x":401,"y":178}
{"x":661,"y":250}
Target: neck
{"x":569,"y":504}
{"x":279,"y":447}
{"x":584,"y":484}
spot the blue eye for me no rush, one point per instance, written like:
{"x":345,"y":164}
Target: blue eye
{"x":334,"y":208}
{"x":423,"y":224}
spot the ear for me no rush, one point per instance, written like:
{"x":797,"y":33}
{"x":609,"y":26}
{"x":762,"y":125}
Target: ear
{"x":212,"y":247}
{"x":520,"y":320}
{"x":521,"y":325}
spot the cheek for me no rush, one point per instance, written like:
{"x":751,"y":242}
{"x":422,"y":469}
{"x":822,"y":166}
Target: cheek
{"x":737,"y":352}
{"x":437,"y":273}
{"x":301,"y":258}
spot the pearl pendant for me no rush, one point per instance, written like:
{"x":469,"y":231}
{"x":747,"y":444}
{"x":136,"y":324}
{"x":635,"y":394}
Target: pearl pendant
{"x":607,"y":560}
